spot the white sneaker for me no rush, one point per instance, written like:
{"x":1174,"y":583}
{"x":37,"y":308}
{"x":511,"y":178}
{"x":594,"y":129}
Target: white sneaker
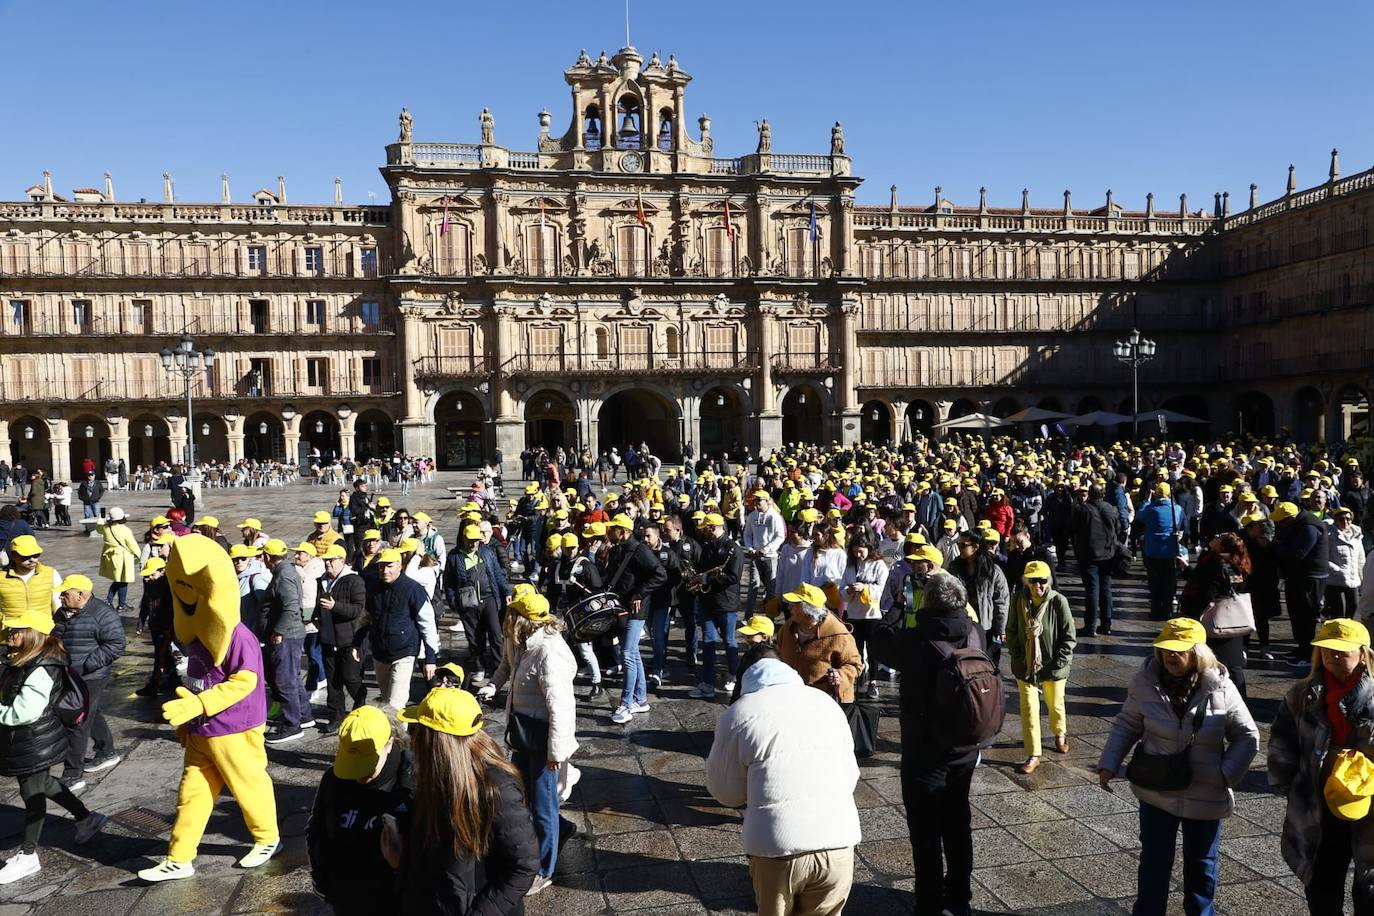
{"x":259,"y":854}
{"x":20,"y":865}
{"x":730,"y":686}
{"x":622,"y":715}
{"x":655,"y":681}
{"x":639,"y":708}
{"x":541,"y":882}
{"x":478,"y":677}
{"x":167,"y":870}
{"x":89,"y":826}
{"x":702,"y":692}
{"x":319,"y":695}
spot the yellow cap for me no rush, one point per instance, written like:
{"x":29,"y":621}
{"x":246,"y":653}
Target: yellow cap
{"x":372,"y":534}
{"x":157,"y":521}
{"x":1283,"y":512}
{"x":75,"y":581}
{"x":806,"y":593}
{"x":246,"y":523}
{"x":594,"y":530}
{"x":152,"y":565}
{"x":1036,"y":569}
{"x":757,"y":625}
{"x":951,"y":523}
{"x":389,"y":555}
{"x":422,"y":517}
{"x":275,"y":547}
{"x":26,"y":545}
{"x":453,"y":712}
{"x":165,"y":537}
{"x":1180,"y":634}
{"x":712,"y":519}
{"x":927,"y":553}
{"x":363,"y":734}
{"x":454,"y":669}
{"x":411,"y":545}
{"x":383,"y":501}
{"x":621,"y":521}
{"x":322,"y":518}
{"x":1253,"y":518}
{"x":532,"y":606}
{"x":1162,"y":489}
{"x":568,"y":540}
{"x":553,"y":542}
{"x":992,"y":535}
{"x":809,"y":516}
{"x":40,"y":620}
{"x":1342,"y":634}
{"x":242,"y":552}
{"x":472,"y":532}
{"x":1350,"y":785}
{"x":521,"y":588}
{"x":207,"y":521}
{"x":307,"y":548}
{"x":334,"y":552}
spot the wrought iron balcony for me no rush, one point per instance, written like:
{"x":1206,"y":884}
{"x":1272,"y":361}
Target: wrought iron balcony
{"x":442,"y":367}
{"x":633,"y":362}
{"x":804,"y":364}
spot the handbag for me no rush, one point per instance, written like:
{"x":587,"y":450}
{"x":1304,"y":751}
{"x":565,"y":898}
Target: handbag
{"x":863,"y":725}
{"x":467,"y":598}
{"x":527,"y":734}
{"x":1228,"y":616}
{"x":1165,"y":772}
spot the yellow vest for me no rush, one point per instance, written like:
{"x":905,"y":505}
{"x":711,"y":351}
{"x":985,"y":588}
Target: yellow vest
{"x":18,"y":596}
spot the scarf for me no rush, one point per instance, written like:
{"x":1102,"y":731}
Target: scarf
{"x":1178,"y":690}
{"x":1034,"y":612}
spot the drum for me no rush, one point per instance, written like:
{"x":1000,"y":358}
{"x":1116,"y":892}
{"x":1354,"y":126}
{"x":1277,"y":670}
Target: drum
{"x":593,"y":616}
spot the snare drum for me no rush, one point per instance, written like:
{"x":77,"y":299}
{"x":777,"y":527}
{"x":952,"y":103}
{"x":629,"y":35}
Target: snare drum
{"x":593,"y":616}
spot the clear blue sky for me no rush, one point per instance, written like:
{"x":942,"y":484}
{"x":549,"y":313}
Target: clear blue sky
{"x":1081,"y":94}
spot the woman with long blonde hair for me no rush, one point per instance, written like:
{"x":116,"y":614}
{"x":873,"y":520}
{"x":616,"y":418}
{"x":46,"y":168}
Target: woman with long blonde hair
{"x":538,"y":668}
{"x":469,"y":837}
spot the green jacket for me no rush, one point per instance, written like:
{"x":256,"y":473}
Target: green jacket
{"x":1057,"y":638}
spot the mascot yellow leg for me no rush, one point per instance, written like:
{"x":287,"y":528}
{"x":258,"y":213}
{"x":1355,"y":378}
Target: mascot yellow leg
{"x":238,"y":761}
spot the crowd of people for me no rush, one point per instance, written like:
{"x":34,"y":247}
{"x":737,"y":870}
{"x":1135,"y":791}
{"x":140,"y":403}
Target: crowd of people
{"x":824,"y":574}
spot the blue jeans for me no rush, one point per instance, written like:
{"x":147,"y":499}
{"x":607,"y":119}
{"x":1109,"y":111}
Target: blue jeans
{"x":90,"y":510}
{"x":314,"y":661}
{"x":541,"y":794}
{"x":712,"y":624}
{"x":118,"y":590}
{"x":636,"y":688}
{"x":1158,"y":835}
{"x":659,"y":620}
{"x":284,"y":676}
{"x":1097,"y":583}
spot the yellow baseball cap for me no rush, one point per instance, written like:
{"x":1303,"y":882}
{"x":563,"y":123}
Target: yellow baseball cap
{"x":553,"y":542}
{"x":422,"y":517}
{"x":1351,"y":784}
{"x":411,"y":545}
{"x":322,"y":518}
{"x":951,"y":523}
{"x":152,"y":565}
{"x":713,"y":518}
{"x":621,"y":521}
{"x":992,"y":535}
{"x":372,"y":534}
{"x":157,"y":521}
{"x":40,"y":620}
{"x":453,"y":712}
{"x":1342,"y":634}
{"x":808,"y":515}
{"x":1180,"y":634}
{"x":806,"y":593}
{"x":454,"y":669}
{"x":75,"y":581}
{"x":532,"y":606}
{"x":242,"y":552}
{"x":246,"y":523}
{"x":569,"y":540}
{"x":275,"y":547}
{"x":928,"y":554}
{"x":390,"y":555}
{"x":207,"y":521}
{"x":1036,"y":569}
{"x":306,"y":547}
{"x":757,"y":625}
{"x":472,"y":532}
{"x":1253,"y":518}
{"x":26,"y":545}
{"x":334,"y":552}
{"x":1283,"y":512}
{"x":363,"y":734}
{"x":1162,"y":489}
{"x":383,"y":501}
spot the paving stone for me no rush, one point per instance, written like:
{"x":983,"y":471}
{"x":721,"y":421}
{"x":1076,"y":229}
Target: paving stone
{"x":887,"y":857}
{"x":570,"y":895}
{"x":1121,"y":829}
{"x":1007,"y":808}
{"x":175,"y":898}
{"x":996,"y":846}
{"x":1060,"y":838}
{"x":707,"y":842}
{"x":1259,"y":853}
{"x":1089,"y":800}
{"x":1109,"y":873}
{"x":636,"y":888}
{"x":115,"y":902}
{"x":722,"y":879}
{"x":627,"y":850}
{"x":1031,"y":884}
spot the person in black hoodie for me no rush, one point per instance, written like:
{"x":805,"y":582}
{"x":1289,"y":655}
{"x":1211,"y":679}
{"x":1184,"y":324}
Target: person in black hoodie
{"x":469,"y":844}
{"x":718,"y":598}
{"x":1300,"y":546}
{"x":633,"y":572}
{"x":371,"y":779}
{"x":1097,"y":531}
{"x":341,"y":611}
{"x":935,"y":777}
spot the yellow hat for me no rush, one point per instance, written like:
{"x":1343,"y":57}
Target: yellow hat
{"x":810,"y":516}
{"x":389,"y":555}
{"x":1342,"y":634}
{"x":531,"y":488}
{"x":157,"y":521}
{"x":307,"y":548}
{"x":568,"y":540}
{"x":760,"y":494}
{"x":75,"y":581}
{"x":594,"y":530}
{"x":411,"y":545}
{"x":152,"y":565}
{"x":453,"y":712}
{"x":1346,"y":511}
{"x":207,"y":521}
{"x":363,"y":734}
{"x":322,"y":518}
{"x":621,"y":521}
{"x":553,"y":542}
{"x":472,"y":532}
{"x":383,"y":501}
{"x":757,"y":625}
{"x":40,"y":620}
{"x":372,"y":534}
{"x":713,"y":518}
{"x":532,"y":606}
{"x":275,"y":547}
{"x":521,"y":588}
{"x":334,"y":552}
{"x":806,"y":593}
{"x":454,"y":669}
{"x":992,"y":535}
{"x":1180,"y":634}
{"x":1036,"y":569}
{"x":1252,"y":518}
{"x":246,"y":523}
{"x":928,"y":554}
{"x":1249,"y":498}
{"x":1283,"y":512}
{"x":26,"y":545}
{"x":951,"y":523}
{"x":1350,"y":785}
{"x":1162,"y":489}
{"x":698,"y":515}
{"x":240,"y":552}
{"x":164,"y":538}
{"x":422,"y":517}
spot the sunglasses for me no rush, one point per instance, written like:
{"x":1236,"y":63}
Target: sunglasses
{"x":1038,"y":581}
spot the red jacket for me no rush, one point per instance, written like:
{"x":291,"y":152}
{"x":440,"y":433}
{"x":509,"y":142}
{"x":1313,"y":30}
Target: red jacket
{"x":1001,"y":516}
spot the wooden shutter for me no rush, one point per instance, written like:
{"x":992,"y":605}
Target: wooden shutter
{"x":635,"y":348}
{"x":546,"y":348}
{"x":722,"y":342}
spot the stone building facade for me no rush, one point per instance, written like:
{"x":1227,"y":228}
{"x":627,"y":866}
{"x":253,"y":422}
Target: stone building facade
{"x":623,"y":283}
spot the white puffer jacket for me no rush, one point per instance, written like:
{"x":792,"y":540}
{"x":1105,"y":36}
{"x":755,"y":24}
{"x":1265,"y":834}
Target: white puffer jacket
{"x":785,"y":754}
{"x":540,"y":681}
{"x":1346,"y":556}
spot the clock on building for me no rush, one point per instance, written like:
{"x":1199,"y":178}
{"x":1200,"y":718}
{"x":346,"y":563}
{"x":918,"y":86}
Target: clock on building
{"x":631,"y":162}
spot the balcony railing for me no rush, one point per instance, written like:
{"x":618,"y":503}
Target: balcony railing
{"x":143,"y":323}
{"x":68,"y":211}
{"x":804,"y":364}
{"x":274,"y":265}
{"x":632,"y":362}
{"x":164,"y":387}
{"x":877,"y":217}
{"x":440,"y":367}
{"x":303,"y":385}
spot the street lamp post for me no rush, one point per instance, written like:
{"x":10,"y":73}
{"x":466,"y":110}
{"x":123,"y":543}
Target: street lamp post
{"x":186,"y":361}
{"x":1135,"y":351}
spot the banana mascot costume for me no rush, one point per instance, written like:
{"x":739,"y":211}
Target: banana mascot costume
{"x":221,"y":719}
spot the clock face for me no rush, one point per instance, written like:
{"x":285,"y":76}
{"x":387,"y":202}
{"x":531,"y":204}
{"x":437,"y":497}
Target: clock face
{"x":631,"y":162}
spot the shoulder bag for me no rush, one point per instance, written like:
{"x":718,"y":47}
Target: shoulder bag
{"x":1229,"y":615}
{"x":1165,"y":772}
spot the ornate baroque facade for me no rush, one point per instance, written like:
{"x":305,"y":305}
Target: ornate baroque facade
{"x":621,"y":282}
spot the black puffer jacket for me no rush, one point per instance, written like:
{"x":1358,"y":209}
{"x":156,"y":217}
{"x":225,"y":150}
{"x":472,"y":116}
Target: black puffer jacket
{"x":720,"y":592}
{"x":433,"y":881}
{"x":26,"y":749}
{"x":342,"y":624}
{"x":94,"y":637}
{"x":632,"y":571}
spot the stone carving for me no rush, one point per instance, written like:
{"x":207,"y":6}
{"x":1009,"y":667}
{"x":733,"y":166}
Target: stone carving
{"x":582,"y":59}
{"x":406,"y":125}
{"x":603,"y":62}
{"x":479,"y":265}
{"x":453,"y":304}
{"x":775,"y":265}
{"x":634,"y":301}
{"x":544,"y":304}
{"x":488,"y":128}
{"x":672,"y":63}
{"x":663,"y":260}
{"x":827,"y":267}
{"x":746,"y":267}
{"x":569,"y":266}
{"x":516,"y":265}
{"x":720,"y":304}
{"x":597,"y":262}
{"x":765,"y":136}
{"x":837,"y":140}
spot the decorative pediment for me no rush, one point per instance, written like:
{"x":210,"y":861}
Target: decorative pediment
{"x":631,"y":205}
{"x":802,"y":208}
{"x":535,"y":204}
{"x":453,"y":202}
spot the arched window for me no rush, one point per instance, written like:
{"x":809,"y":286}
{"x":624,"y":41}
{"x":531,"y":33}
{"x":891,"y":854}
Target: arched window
{"x":591,"y":128}
{"x":674,"y":347}
{"x":603,"y":344}
{"x":665,"y":130}
{"x":629,"y":117}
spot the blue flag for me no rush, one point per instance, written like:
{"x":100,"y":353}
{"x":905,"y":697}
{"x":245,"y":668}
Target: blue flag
{"x":815,"y":229}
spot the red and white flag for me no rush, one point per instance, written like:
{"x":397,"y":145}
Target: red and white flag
{"x":639,"y":211}
{"x":729,"y":226}
{"x":443,"y":226}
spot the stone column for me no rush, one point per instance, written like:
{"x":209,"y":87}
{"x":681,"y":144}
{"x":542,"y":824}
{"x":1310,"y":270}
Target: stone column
{"x":291,"y":438}
{"x":176,"y":436}
{"x":347,"y":436}
{"x":691,"y":421}
{"x":507,"y":425}
{"x":412,"y":348}
{"x":765,"y":394}
{"x":5,"y":455}
{"x":941,"y":415}
{"x":119,"y":440}
{"x":845,"y":396}
{"x":234,"y":438}
{"x":60,"y":442}
{"x":496,"y":211}
{"x":844,"y":236}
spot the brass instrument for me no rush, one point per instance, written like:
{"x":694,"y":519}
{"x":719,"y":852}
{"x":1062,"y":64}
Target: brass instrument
{"x":696,"y":581}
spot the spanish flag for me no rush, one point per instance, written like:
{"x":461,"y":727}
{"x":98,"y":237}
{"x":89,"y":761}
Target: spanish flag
{"x":639,"y":210}
{"x":729,"y":227}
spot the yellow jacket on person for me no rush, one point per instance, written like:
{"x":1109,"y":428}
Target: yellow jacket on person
{"x":119,"y":556}
{"x":39,"y":593}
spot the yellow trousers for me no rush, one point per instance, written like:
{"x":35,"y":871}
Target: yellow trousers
{"x":1030,"y":712}
{"x":238,"y":761}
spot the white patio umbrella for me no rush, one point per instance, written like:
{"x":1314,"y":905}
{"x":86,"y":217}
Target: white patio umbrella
{"x":973,"y":421}
{"x":1168,"y":416}
{"x":1097,"y":418}
{"x":1036,"y":415}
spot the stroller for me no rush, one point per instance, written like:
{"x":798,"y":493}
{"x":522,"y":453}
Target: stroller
{"x":37,"y":518}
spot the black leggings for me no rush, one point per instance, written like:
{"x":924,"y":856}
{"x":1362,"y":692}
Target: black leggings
{"x":36,"y":789}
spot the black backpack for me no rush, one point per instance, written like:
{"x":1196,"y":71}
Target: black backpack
{"x":73,"y":702}
{"x":968,"y":703}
